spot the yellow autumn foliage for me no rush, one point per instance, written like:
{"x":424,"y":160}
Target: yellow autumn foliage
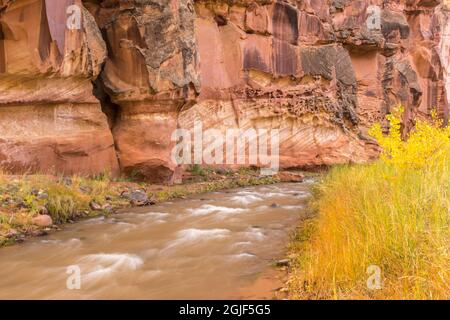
{"x":427,"y":144}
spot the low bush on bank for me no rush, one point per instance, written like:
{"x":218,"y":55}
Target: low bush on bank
{"x":391,"y":217}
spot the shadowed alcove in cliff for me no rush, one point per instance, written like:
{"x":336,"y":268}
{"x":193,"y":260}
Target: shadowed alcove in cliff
{"x":2,"y":51}
{"x":45,"y":38}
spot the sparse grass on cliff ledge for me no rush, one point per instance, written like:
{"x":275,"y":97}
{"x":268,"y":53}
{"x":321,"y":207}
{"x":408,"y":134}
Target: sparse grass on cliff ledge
{"x":394,"y":214}
{"x":66,"y":199}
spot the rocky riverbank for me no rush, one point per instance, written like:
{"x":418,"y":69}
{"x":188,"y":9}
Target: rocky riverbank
{"x":34,"y":205}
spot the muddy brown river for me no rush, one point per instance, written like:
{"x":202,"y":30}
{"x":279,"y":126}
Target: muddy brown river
{"x":211,"y":246}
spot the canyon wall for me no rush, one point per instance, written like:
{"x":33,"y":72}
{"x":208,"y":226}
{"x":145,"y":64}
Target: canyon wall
{"x":88,"y":86}
{"x":49,"y":118}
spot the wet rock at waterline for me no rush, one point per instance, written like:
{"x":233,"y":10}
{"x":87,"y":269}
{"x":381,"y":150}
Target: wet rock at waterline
{"x":103,"y":87}
{"x":43,"y":221}
{"x":287,"y":176}
{"x":138,"y":198}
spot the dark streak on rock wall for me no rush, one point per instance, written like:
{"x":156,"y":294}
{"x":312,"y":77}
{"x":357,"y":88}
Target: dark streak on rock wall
{"x":45,"y":38}
{"x":285,"y":22}
{"x":254,"y":60}
{"x":284,"y":58}
{"x":2,"y":51}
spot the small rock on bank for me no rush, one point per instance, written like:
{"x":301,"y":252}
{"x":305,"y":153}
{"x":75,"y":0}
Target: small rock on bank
{"x":137,"y":198}
{"x":43,"y":221}
{"x":290,"y":176}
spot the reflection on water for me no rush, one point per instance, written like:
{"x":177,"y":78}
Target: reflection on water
{"x":205,"y":247}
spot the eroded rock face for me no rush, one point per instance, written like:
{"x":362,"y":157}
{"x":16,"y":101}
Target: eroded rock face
{"x":397,"y":61}
{"x":150,"y":74}
{"x":49,"y":119}
{"x":320,"y":71}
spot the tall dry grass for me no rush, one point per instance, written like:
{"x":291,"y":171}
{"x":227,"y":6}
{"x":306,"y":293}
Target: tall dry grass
{"x":394,"y":214}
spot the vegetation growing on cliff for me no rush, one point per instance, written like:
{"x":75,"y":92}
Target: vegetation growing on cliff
{"x":393,"y":215}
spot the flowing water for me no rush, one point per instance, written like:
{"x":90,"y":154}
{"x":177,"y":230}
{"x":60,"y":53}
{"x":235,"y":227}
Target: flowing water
{"x":210,"y":246}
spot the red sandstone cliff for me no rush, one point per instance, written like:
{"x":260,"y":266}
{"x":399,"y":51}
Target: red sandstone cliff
{"x":109,"y":94}
{"x":49,"y":117}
